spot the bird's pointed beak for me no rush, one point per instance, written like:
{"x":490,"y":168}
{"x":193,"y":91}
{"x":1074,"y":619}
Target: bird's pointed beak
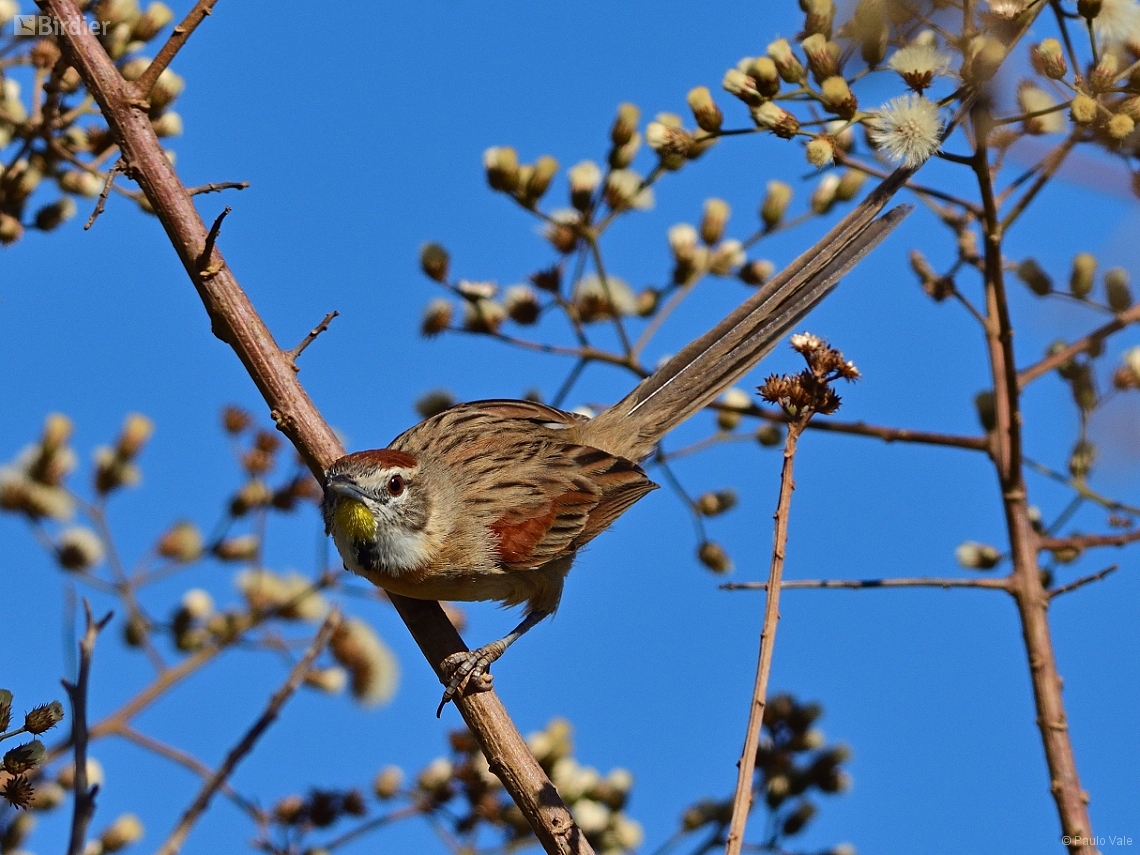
{"x":345,"y":487}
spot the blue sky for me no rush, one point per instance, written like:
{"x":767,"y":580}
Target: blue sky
{"x":361,"y":129}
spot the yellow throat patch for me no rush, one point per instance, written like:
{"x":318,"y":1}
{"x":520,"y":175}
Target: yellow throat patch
{"x":354,"y":520}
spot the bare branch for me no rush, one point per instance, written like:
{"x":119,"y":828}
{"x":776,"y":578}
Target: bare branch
{"x":1081,"y":582}
{"x":84,"y":806}
{"x":999,"y":584}
{"x":292,"y":355}
{"x":178,"y":38}
{"x":178,"y":836}
{"x":742,"y":800}
{"x":217,"y":187}
{"x":111,"y":173}
{"x":1088,"y":541}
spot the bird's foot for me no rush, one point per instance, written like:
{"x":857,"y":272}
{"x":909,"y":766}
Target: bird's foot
{"x":467,"y":672}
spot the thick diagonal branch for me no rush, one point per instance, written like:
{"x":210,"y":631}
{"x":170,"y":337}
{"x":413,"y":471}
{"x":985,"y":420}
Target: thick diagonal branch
{"x":235,"y":321}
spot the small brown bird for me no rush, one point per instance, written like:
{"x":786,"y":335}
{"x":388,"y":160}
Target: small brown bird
{"x":491,"y":500}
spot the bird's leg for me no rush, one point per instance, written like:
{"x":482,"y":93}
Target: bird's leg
{"x":460,"y":669}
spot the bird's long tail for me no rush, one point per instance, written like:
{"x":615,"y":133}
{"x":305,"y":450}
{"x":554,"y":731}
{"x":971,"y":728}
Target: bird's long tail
{"x":704,"y":368}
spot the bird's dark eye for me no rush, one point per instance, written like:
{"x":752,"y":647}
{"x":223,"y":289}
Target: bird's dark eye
{"x":395,"y":485}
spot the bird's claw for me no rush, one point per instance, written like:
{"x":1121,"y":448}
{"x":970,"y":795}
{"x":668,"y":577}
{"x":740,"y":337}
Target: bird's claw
{"x":466,"y":671}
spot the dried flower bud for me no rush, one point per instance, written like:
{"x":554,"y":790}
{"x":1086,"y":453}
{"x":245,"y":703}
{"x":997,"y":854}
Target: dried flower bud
{"x":1082,"y":458}
{"x":712,"y":504}
{"x":79,"y":549}
{"x":775,"y":204}
{"x":819,"y":16}
{"x":983,"y":57}
{"x":823,"y":197}
{"x":241,"y":548}
{"x":820,"y":151}
{"x":81,"y":183}
{"x":545,"y":168}
{"x":683,"y":241}
{"x":137,"y":429}
{"x":235,"y":419}
{"x":43,"y":718}
{"x":735,"y":403}
{"x":66,"y":775}
{"x":986,"y":409}
{"x":674,"y":145}
{"x":1120,"y":126}
{"x":850,"y":183}
{"x":977,"y":556}
{"x":1104,"y":73}
{"x":716,"y":213}
{"x":1116,"y":289}
{"x":148,"y":25}
{"x":434,"y":261}
{"x":625,"y":125}
{"x":1089,"y":9}
{"x":918,"y":64}
{"x":743,"y":86}
{"x":713,"y":556}
{"x":1131,"y":365}
{"x":584,"y":180}
{"x":1033,"y":99}
{"x":182,"y":542}
{"x":388,"y":782}
{"x":1049,"y":57}
{"x":255,"y":493}
{"x":788,"y":65}
{"x":501,"y":164}
{"x":370,"y":663}
{"x":764,"y":74}
{"x":168,"y":87}
{"x":625,"y":190}
{"x":622,"y":156}
{"x":5,"y":709}
{"x":1083,"y":276}
{"x":47,"y":795}
{"x":1030,"y":272}
{"x":437,"y":317}
{"x":522,"y":304}
{"x":330,"y":680}
{"x":124,"y":831}
{"x":11,"y":230}
{"x":775,"y":118}
{"x":24,"y":758}
{"x":705,"y":111}
{"x":756,"y":272}
{"x":54,"y":215}
{"x":837,"y":97}
{"x":726,"y":258}
{"x":483,"y":316}
{"x":1083,"y":109}
{"x":822,"y":56}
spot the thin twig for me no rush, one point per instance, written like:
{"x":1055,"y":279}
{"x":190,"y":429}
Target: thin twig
{"x":1088,"y":541}
{"x":177,"y":837}
{"x":1081,"y":345}
{"x":292,"y":355}
{"x":145,"y":82}
{"x":182,"y":758}
{"x":207,"y":269}
{"x":111,"y":173}
{"x":414,"y":809}
{"x":1081,"y":582}
{"x":858,"y":584}
{"x":742,"y":800}
{"x":84,"y":805}
{"x":217,"y":187}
